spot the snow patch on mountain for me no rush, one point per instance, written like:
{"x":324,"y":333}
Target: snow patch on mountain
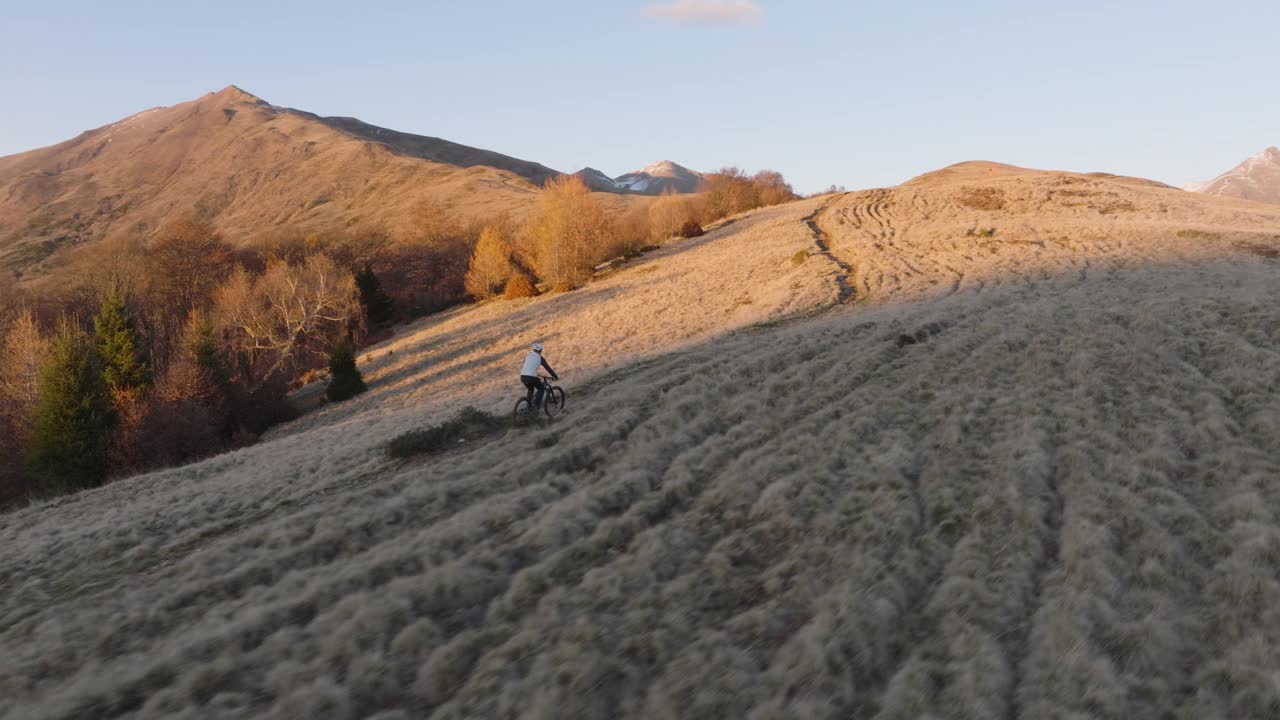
{"x":1257,"y":178}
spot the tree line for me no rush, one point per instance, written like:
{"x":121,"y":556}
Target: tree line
{"x":569,"y":233}
{"x":146,"y":353}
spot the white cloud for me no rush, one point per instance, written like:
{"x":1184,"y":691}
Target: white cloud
{"x":707,"y":12}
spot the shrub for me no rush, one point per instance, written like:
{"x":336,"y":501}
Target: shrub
{"x":1198,"y":235}
{"x":1110,"y":207}
{"x":73,"y":419}
{"x":469,"y":423}
{"x":563,"y":286}
{"x":691,"y":229}
{"x":799,"y":258}
{"x":345,"y":380}
{"x":670,"y":212}
{"x":519,"y":286}
{"x":1261,"y":250}
{"x":982,"y":198}
{"x":179,"y":422}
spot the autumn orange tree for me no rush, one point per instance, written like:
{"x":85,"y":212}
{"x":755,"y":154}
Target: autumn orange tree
{"x":670,"y":212}
{"x":23,"y":353}
{"x":568,"y":231}
{"x":490,"y":264}
{"x":730,"y":190}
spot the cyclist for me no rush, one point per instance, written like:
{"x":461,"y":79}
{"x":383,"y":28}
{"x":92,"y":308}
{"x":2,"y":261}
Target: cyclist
{"x":529,"y":375}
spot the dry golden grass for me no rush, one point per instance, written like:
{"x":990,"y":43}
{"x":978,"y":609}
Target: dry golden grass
{"x":1055,"y":500}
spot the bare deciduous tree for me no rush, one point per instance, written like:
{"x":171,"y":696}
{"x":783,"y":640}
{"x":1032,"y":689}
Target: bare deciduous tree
{"x":190,"y":261}
{"x":288,"y":315}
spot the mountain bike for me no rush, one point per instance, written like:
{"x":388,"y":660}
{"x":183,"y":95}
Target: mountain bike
{"x":552,"y":402}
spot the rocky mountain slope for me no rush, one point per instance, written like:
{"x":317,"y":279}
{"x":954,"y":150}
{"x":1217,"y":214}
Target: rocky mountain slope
{"x":993,"y":443}
{"x":248,"y":166}
{"x":1257,"y":178}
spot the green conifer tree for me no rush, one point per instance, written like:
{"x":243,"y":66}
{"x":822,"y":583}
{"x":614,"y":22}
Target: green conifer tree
{"x":206,"y":352}
{"x":377,"y":304}
{"x":345,"y":380}
{"x":116,"y":341}
{"x":73,"y":418}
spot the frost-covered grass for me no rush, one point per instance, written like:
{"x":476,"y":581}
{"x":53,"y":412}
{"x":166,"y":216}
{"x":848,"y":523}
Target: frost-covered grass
{"x":1058,"y":500}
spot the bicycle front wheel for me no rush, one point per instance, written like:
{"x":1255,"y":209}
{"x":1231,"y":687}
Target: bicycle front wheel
{"x":554,"y":402}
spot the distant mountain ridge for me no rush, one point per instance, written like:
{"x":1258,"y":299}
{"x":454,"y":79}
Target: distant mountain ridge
{"x":249,"y":167}
{"x":1257,"y":178}
{"x":657,"y":179}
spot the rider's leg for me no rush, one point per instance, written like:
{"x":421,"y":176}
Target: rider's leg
{"x":542,"y":390}
{"x":531,"y":385}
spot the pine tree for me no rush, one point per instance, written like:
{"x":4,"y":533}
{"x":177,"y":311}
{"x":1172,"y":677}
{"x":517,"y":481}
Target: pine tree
{"x":345,"y":380}
{"x":73,"y":418}
{"x":377,"y":304}
{"x":116,"y":341}
{"x":201,"y":343}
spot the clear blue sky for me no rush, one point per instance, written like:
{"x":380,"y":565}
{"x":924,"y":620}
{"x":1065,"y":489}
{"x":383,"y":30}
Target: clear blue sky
{"x":855,"y":93}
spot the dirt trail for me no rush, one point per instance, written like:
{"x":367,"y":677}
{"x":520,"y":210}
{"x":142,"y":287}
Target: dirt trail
{"x":848,"y":292}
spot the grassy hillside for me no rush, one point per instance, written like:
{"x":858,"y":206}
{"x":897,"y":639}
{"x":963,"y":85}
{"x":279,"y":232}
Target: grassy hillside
{"x":1019,"y":467}
{"x":250,"y":168}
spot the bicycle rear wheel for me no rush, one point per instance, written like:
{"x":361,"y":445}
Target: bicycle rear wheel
{"x":523,"y":412}
{"x":554,"y":402}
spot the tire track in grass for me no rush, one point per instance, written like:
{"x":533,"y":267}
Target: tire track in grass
{"x":909,"y":496}
{"x":896,"y":576}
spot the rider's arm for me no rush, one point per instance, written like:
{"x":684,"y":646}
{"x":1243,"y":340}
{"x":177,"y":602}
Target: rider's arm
{"x":554,"y":376}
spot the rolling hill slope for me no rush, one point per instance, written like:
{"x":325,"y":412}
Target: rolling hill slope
{"x":993,"y":443}
{"x":250,"y":168}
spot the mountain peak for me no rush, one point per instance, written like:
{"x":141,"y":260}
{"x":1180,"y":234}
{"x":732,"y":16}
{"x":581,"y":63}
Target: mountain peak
{"x":233,"y":93}
{"x":1257,"y":178}
{"x":660,"y":177}
{"x":663,"y":168}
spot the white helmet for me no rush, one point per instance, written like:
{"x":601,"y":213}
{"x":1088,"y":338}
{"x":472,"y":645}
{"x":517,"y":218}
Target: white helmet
{"x":537,"y":347}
